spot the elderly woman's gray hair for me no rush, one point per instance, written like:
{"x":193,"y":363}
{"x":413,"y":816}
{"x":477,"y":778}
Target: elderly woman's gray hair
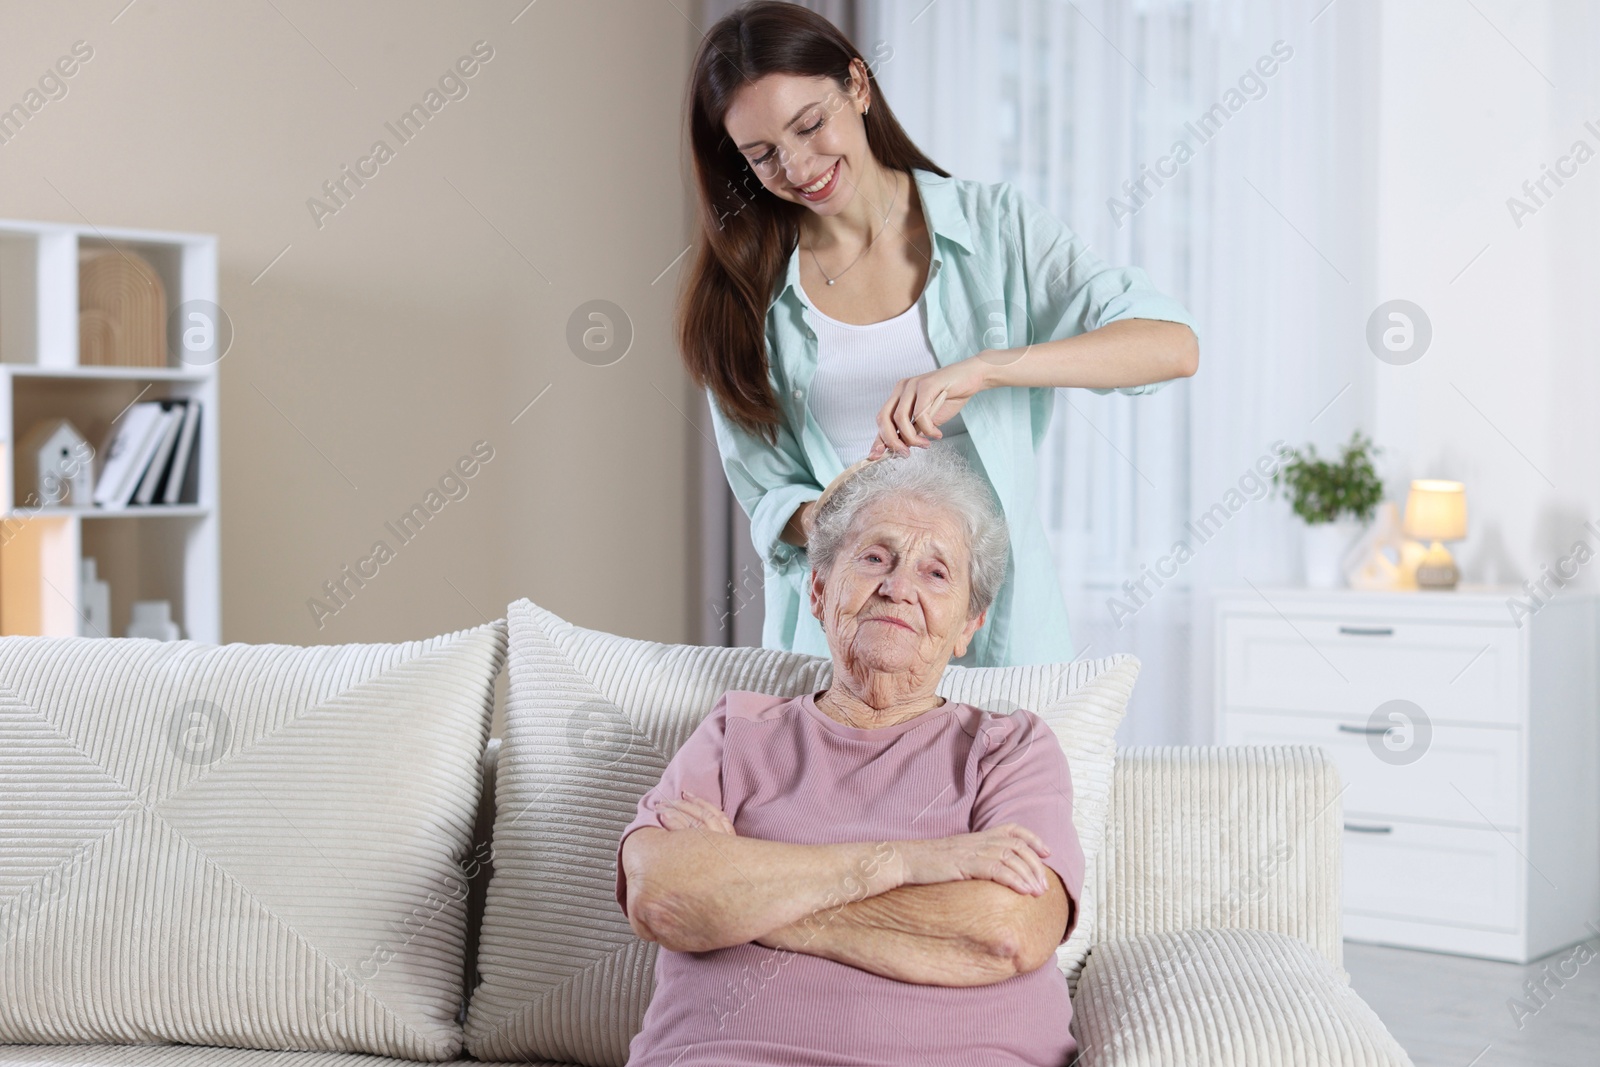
{"x":930,"y":477}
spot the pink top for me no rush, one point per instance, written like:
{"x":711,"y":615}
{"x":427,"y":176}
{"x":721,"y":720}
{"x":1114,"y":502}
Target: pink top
{"x":784,"y":771}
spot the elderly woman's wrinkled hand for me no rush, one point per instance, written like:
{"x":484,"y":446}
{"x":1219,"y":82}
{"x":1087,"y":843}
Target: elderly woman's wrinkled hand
{"x":1008,"y":854}
{"x":691,"y":811}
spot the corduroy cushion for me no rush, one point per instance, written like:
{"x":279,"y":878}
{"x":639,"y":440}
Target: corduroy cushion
{"x":186,"y":1056}
{"x":193,"y":1056}
{"x":1223,"y":998}
{"x":592,"y":720}
{"x":239,"y":845}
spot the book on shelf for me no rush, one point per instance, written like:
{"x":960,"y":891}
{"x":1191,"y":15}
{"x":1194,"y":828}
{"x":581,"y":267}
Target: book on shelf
{"x":149,"y":459}
{"x":184,"y":468}
{"x":127,"y":453}
{"x":172,"y":421}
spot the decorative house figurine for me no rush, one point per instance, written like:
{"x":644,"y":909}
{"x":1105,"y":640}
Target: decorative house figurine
{"x":57,"y":466}
{"x":95,"y":594}
{"x":153,"y":619}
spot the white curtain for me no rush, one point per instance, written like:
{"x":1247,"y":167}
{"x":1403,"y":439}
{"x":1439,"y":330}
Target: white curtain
{"x":1262,"y":233}
{"x":1257,"y":232}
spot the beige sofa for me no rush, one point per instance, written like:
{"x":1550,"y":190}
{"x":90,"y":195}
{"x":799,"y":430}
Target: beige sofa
{"x":1210,"y":912}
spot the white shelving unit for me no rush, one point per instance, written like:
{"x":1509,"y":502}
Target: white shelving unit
{"x":154,"y":552}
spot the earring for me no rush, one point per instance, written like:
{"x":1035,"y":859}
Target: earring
{"x":865,"y":110}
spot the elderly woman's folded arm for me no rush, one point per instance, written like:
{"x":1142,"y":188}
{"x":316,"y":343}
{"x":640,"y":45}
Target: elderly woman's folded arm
{"x":693,"y":891}
{"x":951,"y":934}
{"x":696,"y":891}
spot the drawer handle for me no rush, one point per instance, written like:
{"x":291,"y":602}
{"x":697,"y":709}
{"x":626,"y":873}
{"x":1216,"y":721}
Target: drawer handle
{"x":1346,"y":728}
{"x":1357,"y":828}
{"x":1368,"y":631}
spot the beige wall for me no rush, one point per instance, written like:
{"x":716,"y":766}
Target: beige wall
{"x":427,"y":312}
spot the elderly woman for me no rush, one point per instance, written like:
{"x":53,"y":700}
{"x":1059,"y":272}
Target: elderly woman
{"x":870,"y":874}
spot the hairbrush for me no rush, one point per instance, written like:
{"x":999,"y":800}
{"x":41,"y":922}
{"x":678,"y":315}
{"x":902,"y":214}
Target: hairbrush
{"x":850,"y":471}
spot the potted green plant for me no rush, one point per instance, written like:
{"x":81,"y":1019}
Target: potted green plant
{"x":1336,"y":498}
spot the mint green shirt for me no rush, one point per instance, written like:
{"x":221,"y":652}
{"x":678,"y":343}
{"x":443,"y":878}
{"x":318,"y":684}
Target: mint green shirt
{"x":1005,"y":273}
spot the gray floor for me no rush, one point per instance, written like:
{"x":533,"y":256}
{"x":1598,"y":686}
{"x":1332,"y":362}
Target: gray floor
{"x":1452,"y":1011}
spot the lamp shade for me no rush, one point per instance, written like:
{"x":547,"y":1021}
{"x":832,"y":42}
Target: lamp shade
{"x":1436,"y":510}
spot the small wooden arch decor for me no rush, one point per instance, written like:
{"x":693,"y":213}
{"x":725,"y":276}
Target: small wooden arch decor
{"x":122,"y":311}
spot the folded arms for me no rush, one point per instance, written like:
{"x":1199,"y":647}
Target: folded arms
{"x":961,"y":911}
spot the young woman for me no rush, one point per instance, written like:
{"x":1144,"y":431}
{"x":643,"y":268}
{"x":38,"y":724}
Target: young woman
{"x":843,"y":284}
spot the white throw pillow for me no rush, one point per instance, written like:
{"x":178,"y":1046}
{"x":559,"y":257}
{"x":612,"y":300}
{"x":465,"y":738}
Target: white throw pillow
{"x":592,"y":720}
{"x":255,"y":846}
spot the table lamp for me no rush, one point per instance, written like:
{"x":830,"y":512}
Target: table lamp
{"x":1436,"y":511}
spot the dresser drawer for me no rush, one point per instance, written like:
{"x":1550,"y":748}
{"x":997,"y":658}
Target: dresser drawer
{"x":1463,"y":673}
{"x":1433,"y":874}
{"x":1464,"y":774}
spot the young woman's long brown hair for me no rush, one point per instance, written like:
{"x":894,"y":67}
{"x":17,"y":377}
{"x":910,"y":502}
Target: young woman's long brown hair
{"x":746,"y":233}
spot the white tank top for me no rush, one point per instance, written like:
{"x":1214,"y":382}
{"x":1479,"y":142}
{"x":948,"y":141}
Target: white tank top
{"x":857,"y":368}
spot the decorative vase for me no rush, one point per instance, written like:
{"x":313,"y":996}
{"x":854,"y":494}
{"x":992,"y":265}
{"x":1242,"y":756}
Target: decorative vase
{"x":95,"y":592}
{"x":153,"y":619}
{"x":1324,"y":549}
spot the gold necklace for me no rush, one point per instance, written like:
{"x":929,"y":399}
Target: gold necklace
{"x":870,"y":239}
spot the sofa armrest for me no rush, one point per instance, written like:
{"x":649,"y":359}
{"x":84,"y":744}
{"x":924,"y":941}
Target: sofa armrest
{"x":1224,"y":997}
{"x":1220,"y":837}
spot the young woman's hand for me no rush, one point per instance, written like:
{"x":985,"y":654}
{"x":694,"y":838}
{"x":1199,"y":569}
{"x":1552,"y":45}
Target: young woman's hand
{"x":907,"y":418}
{"x":691,"y":811}
{"x":1008,"y":854}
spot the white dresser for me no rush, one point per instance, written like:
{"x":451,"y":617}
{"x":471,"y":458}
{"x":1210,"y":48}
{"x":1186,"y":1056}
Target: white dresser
{"x":1469,"y":747}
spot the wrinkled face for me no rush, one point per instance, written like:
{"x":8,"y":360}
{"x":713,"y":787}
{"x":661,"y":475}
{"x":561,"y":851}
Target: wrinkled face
{"x":796,"y":131}
{"x":895,"y":600}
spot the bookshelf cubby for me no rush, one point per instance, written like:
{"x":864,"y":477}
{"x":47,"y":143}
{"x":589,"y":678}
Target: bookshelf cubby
{"x":146,"y":552}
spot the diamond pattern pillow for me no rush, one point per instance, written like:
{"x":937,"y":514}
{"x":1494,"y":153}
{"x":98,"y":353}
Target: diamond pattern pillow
{"x":253,"y":846}
{"x":592,"y":720}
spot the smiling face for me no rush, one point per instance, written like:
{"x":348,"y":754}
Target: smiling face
{"x":895,"y":601}
{"x":797,"y":131}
